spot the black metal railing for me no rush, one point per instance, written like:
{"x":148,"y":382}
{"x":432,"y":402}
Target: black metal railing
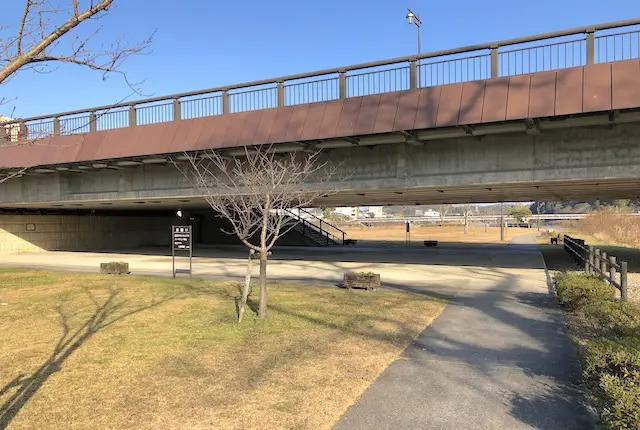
{"x":598,"y":263}
{"x":310,"y":221}
{"x":550,"y":51}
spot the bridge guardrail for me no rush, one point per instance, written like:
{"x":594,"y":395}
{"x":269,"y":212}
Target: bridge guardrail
{"x":558,"y":50}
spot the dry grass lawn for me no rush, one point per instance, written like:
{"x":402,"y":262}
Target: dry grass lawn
{"x":396,"y":233}
{"x":98,"y":352}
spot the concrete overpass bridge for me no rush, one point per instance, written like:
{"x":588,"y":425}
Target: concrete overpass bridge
{"x":548,"y":117}
{"x":552,"y":117}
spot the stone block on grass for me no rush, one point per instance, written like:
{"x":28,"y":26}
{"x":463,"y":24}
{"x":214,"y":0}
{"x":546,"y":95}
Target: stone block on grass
{"x":367,"y":281}
{"x":114,"y":268}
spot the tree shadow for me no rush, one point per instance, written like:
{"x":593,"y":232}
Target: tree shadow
{"x":106,"y":313}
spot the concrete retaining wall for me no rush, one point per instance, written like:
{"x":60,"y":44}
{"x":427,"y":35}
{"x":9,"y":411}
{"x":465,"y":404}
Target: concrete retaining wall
{"x":19,"y":233}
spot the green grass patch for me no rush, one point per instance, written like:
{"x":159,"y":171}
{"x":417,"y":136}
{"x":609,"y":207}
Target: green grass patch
{"x":608,"y":332}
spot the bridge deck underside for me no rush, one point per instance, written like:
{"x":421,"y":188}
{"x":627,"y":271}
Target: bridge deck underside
{"x":538,"y":191}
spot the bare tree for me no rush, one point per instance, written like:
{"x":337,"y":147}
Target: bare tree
{"x":43,"y":37}
{"x":444,"y":210}
{"x":255,"y":193}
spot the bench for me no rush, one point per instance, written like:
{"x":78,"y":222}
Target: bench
{"x":430,"y":243}
{"x":554,"y":240}
{"x":349,"y":242}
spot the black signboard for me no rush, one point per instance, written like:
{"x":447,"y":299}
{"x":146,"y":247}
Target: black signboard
{"x":181,"y":240}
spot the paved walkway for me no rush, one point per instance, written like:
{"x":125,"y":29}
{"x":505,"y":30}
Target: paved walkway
{"x":497,"y":358}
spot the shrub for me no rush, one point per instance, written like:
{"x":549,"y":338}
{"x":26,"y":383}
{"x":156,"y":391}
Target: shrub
{"x":575,"y":290}
{"x":613,"y":368}
{"x":613,"y":317}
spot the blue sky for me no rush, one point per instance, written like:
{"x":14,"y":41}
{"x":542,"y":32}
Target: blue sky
{"x":207,"y":43}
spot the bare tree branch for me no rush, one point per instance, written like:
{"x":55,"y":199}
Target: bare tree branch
{"x":38,"y":37}
{"x":5,"y":176}
{"x":255,"y":193}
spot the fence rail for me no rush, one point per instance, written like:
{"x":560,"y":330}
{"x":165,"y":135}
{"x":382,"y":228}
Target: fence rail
{"x":551,"y":51}
{"x":598,"y":263}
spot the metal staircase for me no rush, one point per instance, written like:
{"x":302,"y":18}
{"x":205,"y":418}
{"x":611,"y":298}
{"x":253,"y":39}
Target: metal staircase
{"x":316,"y":229}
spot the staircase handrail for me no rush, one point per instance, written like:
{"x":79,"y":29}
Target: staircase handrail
{"x":322,"y":221}
{"x":319,"y":228}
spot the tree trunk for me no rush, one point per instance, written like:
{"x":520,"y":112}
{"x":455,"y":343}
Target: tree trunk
{"x":245,"y":291}
{"x":262,"y":311}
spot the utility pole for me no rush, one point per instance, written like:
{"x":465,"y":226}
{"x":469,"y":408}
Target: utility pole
{"x":412,"y":18}
{"x":466,"y":219}
{"x":501,"y":222}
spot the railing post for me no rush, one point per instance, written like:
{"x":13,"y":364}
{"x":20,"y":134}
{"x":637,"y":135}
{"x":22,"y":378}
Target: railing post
{"x":56,"y":126}
{"x":603,"y":267}
{"x":24,"y":131}
{"x":585,"y":260}
{"x":623,"y":281}
{"x":177,"y":111}
{"x":280,"y":94}
{"x":590,"y":262}
{"x":591,"y":48}
{"x":495,"y":64}
{"x":93,"y":121}
{"x":612,"y":270}
{"x":596,"y":265}
{"x":342,"y":85}
{"x":413,"y":75}
{"x":132,"y":116}
{"x":225,"y":103}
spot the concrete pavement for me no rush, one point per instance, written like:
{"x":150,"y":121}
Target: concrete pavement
{"x":497,"y":358}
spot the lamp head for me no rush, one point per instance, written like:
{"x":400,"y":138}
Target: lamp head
{"x":410,"y":17}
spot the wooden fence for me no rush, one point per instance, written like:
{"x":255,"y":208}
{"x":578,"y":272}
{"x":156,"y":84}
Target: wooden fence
{"x":596,"y":262}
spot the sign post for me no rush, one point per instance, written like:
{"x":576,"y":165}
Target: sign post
{"x":181,"y":241}
{"x":408,"y":234}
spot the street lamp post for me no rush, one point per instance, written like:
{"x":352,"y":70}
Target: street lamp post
{"x":412,"y":18}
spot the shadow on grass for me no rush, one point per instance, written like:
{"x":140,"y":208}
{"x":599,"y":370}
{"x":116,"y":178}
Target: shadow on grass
{"x":105,"y":313}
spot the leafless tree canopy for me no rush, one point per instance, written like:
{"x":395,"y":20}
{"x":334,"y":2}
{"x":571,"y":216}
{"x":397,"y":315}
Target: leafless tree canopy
{"x":256,"y":191}
{"x":43,"y":36}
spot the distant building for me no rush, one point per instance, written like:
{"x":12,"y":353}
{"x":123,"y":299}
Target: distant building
{"x":360,"y":211}
{"x":12,"y":132}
